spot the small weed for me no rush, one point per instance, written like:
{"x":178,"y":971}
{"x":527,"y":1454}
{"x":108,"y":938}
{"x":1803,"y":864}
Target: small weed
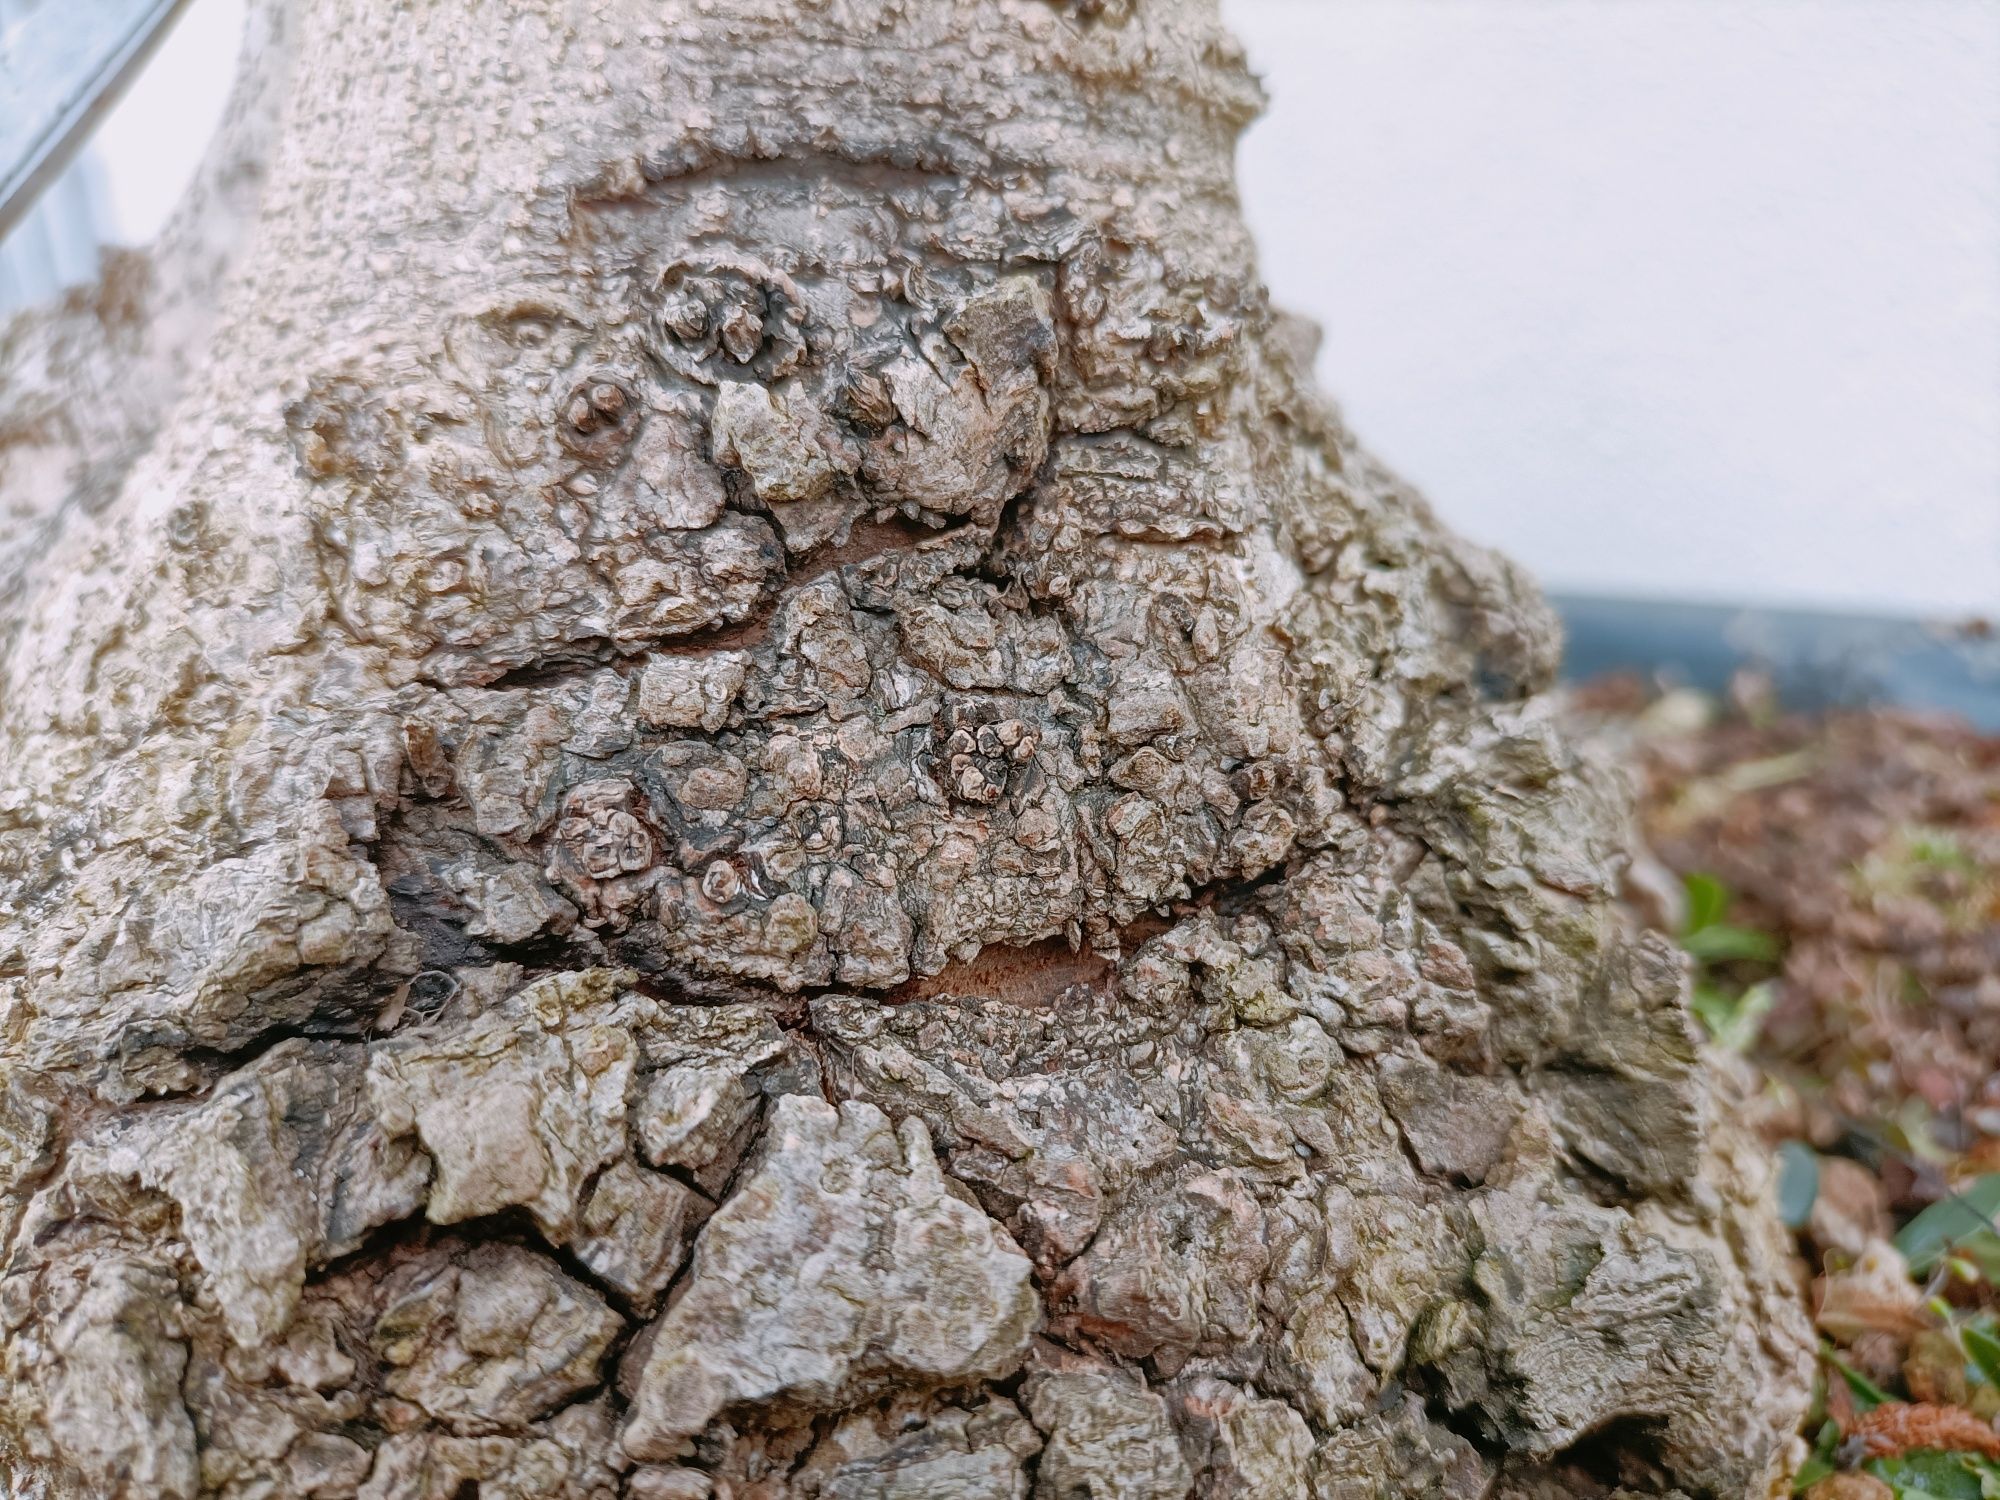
{"x":1732,"y":1012}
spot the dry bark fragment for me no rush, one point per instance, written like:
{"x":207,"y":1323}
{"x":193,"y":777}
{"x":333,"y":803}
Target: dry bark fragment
{"x":841,"y":1266}
{"x":1896,"y":1427}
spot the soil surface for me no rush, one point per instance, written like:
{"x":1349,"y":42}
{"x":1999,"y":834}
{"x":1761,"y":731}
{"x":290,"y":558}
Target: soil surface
{"x":1836,"y":880}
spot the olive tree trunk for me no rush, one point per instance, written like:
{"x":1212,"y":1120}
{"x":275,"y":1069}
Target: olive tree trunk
{"x":723,"y":786}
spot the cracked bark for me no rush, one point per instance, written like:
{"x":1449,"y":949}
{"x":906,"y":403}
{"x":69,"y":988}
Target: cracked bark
{"x":750,"y":800}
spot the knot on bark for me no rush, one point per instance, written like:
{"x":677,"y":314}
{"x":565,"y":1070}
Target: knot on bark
{"x":598,"y":420}
{"x":728,"y":320}
{"x":603,"y":851}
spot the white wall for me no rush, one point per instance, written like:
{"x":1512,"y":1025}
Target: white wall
{"x":153,"y":138}
{"x":1694,"y":297}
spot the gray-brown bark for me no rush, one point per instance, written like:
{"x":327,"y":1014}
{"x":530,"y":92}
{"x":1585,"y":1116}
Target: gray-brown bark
{"x":752,"y":801}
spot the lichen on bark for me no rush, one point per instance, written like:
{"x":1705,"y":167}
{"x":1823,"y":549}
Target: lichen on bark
{"x":752,"y":801}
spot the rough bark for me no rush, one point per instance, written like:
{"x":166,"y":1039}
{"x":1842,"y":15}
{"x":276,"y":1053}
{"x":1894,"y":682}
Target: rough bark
{"x":752,"y":801}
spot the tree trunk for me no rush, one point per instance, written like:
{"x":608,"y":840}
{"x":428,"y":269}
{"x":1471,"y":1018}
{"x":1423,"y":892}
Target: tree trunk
{"x":750,"y":800}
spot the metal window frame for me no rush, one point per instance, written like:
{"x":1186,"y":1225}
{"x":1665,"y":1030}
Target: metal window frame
{"x":63,"y":64}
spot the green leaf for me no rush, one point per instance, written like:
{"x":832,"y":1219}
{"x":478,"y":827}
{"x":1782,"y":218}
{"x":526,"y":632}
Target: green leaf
{"x":1914,"y":1123}
{"x":1824,"y":1447}
{"x":1927,"y":1474}
{"x":1798,"y":1183}
{"x":1732,"y":1022}
{"x":1711,"y":1006}
{"x":1984,"y":1351}
{"x":1981,"y":1250}
{"x":1941,"y":850}
{"x":1724,"y":942}
{"x":1707,"y":898}
{"x":1951,"y":1225}
{"x":1867,"y":1394}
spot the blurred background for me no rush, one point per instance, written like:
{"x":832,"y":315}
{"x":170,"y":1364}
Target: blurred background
{"x":1688,"y":299}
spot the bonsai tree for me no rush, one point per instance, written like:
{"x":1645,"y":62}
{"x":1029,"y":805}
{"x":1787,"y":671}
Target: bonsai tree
{"x":714,"y":781}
